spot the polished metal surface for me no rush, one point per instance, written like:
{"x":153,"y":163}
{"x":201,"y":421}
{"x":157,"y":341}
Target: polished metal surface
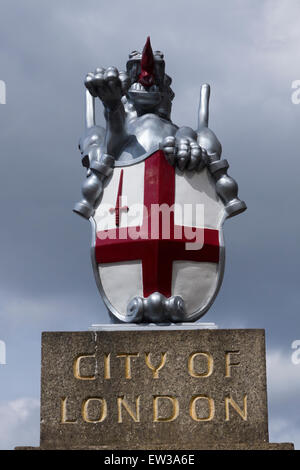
{"x":137,"y":109}
{"x":157,"y":308}
{"x":153,"y":326}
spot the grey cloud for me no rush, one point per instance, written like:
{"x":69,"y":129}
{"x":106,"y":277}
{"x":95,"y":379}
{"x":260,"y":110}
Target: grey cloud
{"x":246,"y":51}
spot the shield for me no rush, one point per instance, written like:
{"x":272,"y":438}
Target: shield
{"x":158,"y":232}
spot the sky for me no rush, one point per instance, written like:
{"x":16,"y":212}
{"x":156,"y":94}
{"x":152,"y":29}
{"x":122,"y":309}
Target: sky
{"x":248,"y":50}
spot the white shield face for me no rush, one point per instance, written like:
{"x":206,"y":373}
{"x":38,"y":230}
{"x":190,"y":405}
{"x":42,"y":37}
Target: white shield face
{"x":158,"y":230}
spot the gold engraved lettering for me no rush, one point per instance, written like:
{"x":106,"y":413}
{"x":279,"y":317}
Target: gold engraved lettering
{"x":154,"y":369}
{"x":102,"y":411}
{"x":210,"y":364}
{"x":173,"y":415}
{"x":63,"y":413}
{"x":242,"y":413}
{"x":211,"y":405}
{"x":228,"y":362}
{"x":76,"y":368}
{"x":123,"y":403}
{"x":107,"y":366}
{"x":128,"y":363}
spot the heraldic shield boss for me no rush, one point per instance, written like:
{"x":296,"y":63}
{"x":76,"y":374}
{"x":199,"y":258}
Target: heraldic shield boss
{"x":156,"y":194}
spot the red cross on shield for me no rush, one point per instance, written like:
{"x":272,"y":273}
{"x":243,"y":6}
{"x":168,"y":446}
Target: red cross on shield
{"x":138,"y":253}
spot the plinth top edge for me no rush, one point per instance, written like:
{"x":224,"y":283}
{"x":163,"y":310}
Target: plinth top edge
{"x":158,"y":328}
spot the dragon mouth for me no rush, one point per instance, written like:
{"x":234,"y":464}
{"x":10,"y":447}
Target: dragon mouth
{"x":146,"y":98}
{"x":139,"y":87}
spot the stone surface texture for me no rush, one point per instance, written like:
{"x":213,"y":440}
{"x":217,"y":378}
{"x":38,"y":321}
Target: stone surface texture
{"x":102,"y":390}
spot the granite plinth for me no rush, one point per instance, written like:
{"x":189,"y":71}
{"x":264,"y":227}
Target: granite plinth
{"x":191,"y":389}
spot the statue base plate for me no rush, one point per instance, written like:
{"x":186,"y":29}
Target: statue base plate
{"x":152,"y":326}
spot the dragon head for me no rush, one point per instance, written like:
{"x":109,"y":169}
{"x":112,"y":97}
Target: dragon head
{"x":149,"y":84}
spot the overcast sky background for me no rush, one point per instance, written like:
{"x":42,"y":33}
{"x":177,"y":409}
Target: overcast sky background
{"x":248,"y":51}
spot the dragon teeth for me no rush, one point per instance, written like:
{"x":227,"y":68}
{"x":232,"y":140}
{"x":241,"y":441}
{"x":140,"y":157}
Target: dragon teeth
{"x":137,"y":87}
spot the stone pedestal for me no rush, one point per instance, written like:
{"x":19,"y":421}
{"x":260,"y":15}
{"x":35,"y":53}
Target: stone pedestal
{"x":191,"y":389}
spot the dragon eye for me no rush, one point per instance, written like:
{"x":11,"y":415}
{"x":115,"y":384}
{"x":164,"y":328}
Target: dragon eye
{"x":133,"y":54}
